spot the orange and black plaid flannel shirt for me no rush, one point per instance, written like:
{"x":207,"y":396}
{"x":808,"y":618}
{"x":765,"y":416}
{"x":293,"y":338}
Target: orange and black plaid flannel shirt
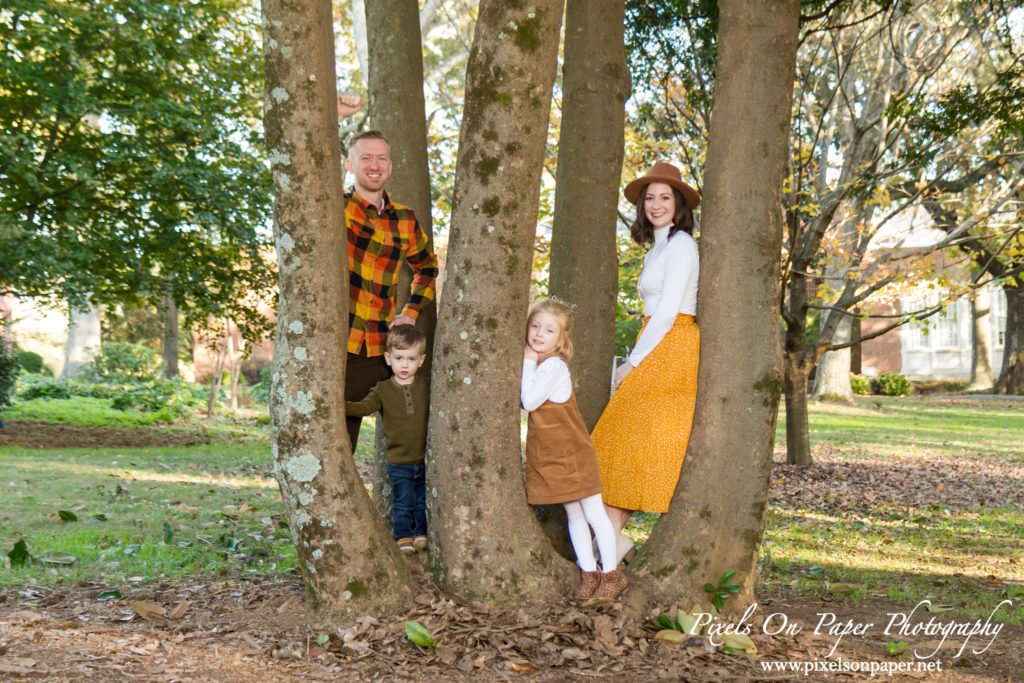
{"x":376,"y":242}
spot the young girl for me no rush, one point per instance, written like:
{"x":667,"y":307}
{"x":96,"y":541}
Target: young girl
{"x":561,"y":465}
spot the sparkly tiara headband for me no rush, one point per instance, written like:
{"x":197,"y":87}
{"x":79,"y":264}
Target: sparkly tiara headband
{"x":569,"y":305}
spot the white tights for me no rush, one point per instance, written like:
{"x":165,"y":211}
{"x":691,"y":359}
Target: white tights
{"x":591,"y":511}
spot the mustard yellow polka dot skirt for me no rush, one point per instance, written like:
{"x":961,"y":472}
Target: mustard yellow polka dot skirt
{"x":642,"y":435}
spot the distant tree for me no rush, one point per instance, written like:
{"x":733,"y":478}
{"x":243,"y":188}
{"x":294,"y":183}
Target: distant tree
{"x":876,"y":131}
{"x":981,"y":341}
{"x":995,"y":245}
{"x":83,"y":340}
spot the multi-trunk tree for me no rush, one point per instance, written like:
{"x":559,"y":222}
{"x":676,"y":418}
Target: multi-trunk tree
{"x":584,"y":267}
{"x":486,"y":542}
{"x":348,"y":559}
{"x":716,"y":517}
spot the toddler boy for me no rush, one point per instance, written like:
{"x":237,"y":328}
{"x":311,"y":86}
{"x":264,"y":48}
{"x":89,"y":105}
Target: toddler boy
{"x":403,"y":402}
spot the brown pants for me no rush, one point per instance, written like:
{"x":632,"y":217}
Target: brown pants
{"x":361,"y":374}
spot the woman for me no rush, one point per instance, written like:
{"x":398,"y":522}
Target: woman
{"x":642,"y":435}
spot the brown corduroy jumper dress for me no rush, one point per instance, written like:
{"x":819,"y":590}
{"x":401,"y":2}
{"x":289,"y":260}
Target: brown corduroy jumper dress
{"x":561,"y":464}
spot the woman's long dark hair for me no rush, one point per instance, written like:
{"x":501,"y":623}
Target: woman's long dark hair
{"x":642,"y":231}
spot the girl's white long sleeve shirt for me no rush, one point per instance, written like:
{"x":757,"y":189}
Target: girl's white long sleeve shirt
{"x":668,"y":287}
{"x":549,"y":381}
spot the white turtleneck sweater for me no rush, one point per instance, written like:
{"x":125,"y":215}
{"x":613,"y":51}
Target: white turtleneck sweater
{"x":668,"y":287}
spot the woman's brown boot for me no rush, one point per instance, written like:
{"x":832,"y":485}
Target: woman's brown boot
{"x":588,"y":584}
{"x":612,"y":583}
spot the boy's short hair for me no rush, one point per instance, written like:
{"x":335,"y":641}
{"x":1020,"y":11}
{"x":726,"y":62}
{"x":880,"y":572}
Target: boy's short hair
{"x":404,"y":337}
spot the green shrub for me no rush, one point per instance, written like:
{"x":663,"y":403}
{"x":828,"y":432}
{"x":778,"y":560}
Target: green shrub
{"x":860,"y":384}
{"x":261,"y":390}
{"x":32,"y":362}
{"x":124,"y":362}
{"x":47,"y":388}
{"x":891,"y":384}
{"x":172,"y":397}
{"x":8,"y":371}
{"x":39,"y":386}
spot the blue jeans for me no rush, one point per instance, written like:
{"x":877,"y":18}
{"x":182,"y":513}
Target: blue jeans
{"x":408,"y":500}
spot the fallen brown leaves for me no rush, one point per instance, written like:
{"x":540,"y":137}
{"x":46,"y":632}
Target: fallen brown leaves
{"x":841,"y":482}
{"x":262,"y":631}
{"x":257,"y":630}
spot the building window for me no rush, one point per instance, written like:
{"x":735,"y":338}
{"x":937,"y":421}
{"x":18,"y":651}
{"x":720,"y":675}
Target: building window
{"x":939,"y":331}
{"x":917,"y":332}
{"x":998,"y":317}
{"x":946,"y":326}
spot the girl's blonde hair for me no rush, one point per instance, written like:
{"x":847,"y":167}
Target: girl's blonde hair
{"x":562,"y":312}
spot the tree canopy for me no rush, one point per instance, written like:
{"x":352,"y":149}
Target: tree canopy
{"x":130,"y":157}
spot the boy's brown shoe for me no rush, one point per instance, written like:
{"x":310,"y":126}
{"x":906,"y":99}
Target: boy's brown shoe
{"x":406,"y":546}
{"x":420,"y":543}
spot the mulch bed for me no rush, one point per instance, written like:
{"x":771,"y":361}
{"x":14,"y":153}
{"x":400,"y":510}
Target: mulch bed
{"x":41,"y":435}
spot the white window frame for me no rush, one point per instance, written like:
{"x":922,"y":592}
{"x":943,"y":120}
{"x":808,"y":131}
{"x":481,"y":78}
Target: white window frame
{"x":945,"y":328}
{"x":998,"y":315}
{"x":919,"y":336}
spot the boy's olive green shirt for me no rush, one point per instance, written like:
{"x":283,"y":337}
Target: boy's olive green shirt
{"x":403,"y":411}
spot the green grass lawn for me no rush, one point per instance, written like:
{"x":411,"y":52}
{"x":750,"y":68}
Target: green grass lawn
{"x":884,"y":425}
{"x":148,"y":514}
{"x":143,"y":513}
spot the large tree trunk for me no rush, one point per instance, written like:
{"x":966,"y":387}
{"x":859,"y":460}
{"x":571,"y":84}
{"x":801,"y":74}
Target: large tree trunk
{"x":488,"y":542}
{"x":717,"y":514}
{"x":584,"y":264}
{"x":982,"y":378}
{"x":169,"y":337}
{"x":1011,"y":378}
{"x":348,"y":560}
{"x":832,"y":379}
{"x":83,"y":339}
{"x":397,"y":109}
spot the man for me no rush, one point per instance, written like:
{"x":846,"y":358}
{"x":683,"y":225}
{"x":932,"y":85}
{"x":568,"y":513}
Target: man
{"x":380,"y":232}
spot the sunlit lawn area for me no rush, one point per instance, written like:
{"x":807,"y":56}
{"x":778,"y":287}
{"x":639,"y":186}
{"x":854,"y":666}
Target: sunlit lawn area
{"x":146,"y":514}
{"x":139,"y":514}
{"x":926,"y":542}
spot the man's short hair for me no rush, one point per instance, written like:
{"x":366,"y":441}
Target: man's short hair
{"x":367,"y":135}
{"x":403,"y":337}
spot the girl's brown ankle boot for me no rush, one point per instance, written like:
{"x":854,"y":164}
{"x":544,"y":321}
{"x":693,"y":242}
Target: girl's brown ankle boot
{"x":612,"y":583}
{"x":588,"y":584}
